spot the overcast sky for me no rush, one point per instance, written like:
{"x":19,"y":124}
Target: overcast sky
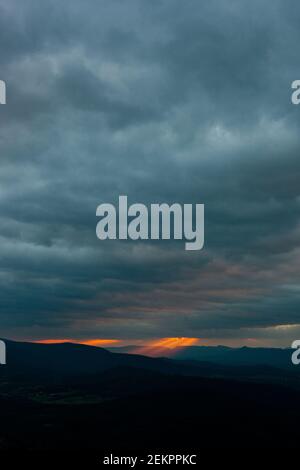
{"x":164,"y":101}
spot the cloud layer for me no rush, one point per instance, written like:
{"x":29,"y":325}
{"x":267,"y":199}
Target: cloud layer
{"x":164,"y":101}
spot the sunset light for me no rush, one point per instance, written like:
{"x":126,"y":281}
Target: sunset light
{"x":88,"y":342}
{"x":155,"y":347}
{"x":158,"y":347}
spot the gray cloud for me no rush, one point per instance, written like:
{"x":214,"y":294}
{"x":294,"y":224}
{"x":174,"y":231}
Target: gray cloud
{"x":166,"y":102}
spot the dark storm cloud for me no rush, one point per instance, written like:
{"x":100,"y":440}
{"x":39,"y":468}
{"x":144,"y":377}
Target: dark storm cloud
{"x":166,"y":102}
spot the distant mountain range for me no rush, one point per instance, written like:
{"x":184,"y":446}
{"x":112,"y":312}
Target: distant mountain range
{"x":71,"y":396}
{"x":77,"y":359}
{"x":223,"y":355}
{"x":65,"y":360}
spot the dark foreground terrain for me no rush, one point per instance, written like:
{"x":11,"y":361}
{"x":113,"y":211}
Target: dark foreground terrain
{"x":71,"y":397}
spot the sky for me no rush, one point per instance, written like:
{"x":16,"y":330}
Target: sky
{"x":162,"y":101}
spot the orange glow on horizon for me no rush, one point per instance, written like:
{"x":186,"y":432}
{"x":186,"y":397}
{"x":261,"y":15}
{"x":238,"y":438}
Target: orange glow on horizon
{"x":153,"y":348}
{"x":100,"y":342}
{"x":88,"y":342}
{"x":158,"y":347}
